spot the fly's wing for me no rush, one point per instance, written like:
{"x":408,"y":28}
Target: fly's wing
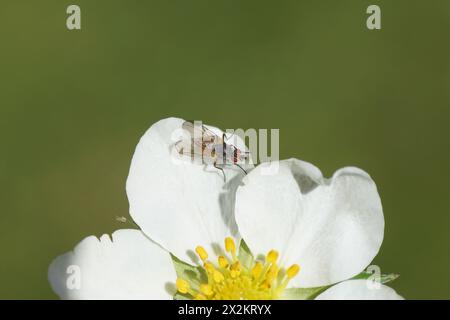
{"x":200,"y":131}
{"x":201,"y":145}
{"x":189,"y":147}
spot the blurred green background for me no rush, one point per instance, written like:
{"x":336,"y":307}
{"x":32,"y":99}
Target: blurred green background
{"x":73,"y":105}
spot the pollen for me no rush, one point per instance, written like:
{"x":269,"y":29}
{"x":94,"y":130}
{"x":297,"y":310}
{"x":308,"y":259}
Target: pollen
{"x":223,"y":262}
{"x":209,"y":267}
{"x":272,"y":256}
{"x":201,"y":253}
{"x":257,"y":269}
{"x":217,"y":276}
{"x":232,"y":277}
{"x":292,"y":271}
{"x":182,"y":285}
{"x":206,"y":289}
{"x":230,"y":246}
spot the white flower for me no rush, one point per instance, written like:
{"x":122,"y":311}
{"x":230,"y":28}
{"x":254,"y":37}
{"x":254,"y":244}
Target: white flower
{"x":316,"y":231}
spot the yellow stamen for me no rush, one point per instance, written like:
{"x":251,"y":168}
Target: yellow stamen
{"x":272,"y":256}
{"x":230,"y":246}
{"x":265,"y":285}
{"x":201,"y":253}
{"x":257,"y":269}
{"x":182,"y":285}
{"x":206,"y":289}
{"x":223,"y":262}
{"x":292,"y":271}
{"x":217,"y":276}
{"x":272,"y":273}
{"x":235,"y":269}
{"x":209,"y":267}
{"x":236,"y":266}
{"x":232,"y":278}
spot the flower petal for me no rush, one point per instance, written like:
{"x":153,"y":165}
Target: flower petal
{"x":332,"y":228}
{"x":359,"y":290}
{"x":178,"y":203}
{"x":130,"y":266}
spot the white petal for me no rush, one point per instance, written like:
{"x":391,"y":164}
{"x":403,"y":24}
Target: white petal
{"x":129,"y":267}
{"x":331,"y":228}
{"x":359,"y":290}
{"x":177,"y":203}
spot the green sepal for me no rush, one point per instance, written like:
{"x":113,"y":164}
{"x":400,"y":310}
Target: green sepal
{"x":302,"y":293}
{"x":384,"y":278}
{"x":312,"y":293}
{"x":188,"y":272}
{"x":181,"y":296}
{"x":245,"y":256}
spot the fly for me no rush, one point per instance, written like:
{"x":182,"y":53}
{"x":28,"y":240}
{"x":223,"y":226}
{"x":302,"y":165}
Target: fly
{"x":212,"y":148}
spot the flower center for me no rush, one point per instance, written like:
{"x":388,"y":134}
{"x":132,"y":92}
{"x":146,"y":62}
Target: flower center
{"x":232,"y":278}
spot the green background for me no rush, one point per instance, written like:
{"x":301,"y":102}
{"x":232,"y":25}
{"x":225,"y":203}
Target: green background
{"x":73,"y":105}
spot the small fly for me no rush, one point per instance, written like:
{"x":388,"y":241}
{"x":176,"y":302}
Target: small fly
{"x":211,"y":147}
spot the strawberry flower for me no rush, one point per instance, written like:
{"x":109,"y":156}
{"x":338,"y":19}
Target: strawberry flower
{"x":289,"y":235}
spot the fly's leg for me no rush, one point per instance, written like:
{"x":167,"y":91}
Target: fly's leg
{"x":224,"y":149}
{"x":241,"y":168}
{"x":223,"y":172}
{"x":225,"y":138}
